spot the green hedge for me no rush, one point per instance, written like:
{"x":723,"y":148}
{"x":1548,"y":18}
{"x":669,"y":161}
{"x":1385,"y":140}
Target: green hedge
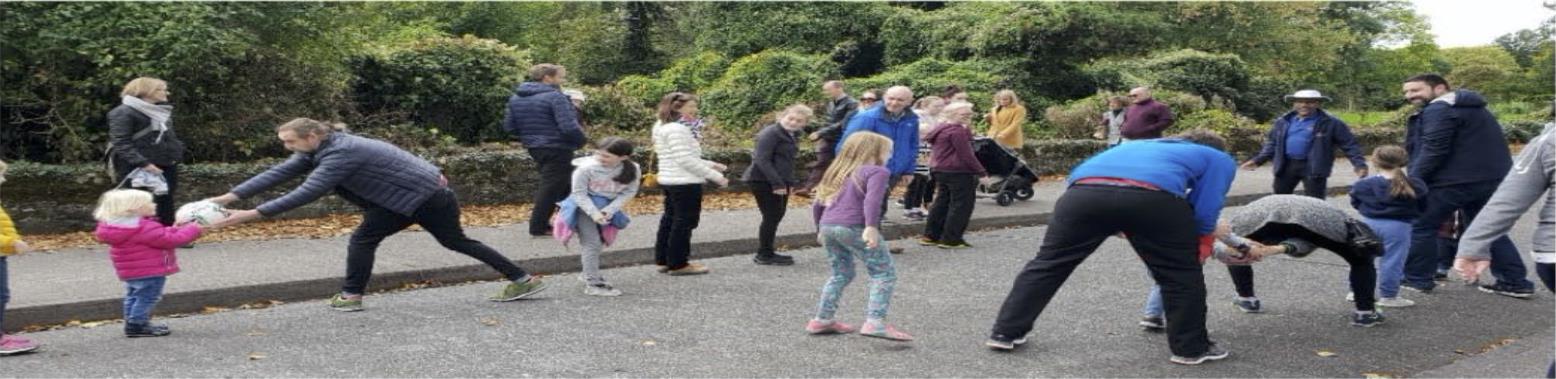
{"x":458,"y":86}
{"x":764,"y":83}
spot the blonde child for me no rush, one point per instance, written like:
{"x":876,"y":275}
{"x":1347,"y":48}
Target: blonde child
{"x":848,"y":213}
{"x":10,"y":244}
{"x":142,"y":252}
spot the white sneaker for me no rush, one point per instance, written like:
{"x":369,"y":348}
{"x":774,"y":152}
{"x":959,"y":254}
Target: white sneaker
{"x":602,"y":289}
{"x":1350,"y":296}
{"x":1395,"y":302}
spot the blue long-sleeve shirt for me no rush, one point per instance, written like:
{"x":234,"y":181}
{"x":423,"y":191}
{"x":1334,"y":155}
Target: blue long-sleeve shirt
{"x":903,"y":132}
{"x":1198,"y":173}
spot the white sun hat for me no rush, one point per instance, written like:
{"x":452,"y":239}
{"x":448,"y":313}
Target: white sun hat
{"x":1307,"y":94}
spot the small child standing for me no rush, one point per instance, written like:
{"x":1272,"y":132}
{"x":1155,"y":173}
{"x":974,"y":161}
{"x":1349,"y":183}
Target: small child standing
{"x":10,"y":244}
{"x":602,"y":186}
{"x":848,"y":214}
{"x":1389,"y":204}
{"x":142,"y":252}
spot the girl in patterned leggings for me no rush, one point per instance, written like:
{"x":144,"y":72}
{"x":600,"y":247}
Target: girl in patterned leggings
{"x":848,"y":213}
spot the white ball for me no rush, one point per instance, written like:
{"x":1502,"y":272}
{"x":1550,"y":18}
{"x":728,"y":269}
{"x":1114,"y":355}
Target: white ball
{"x":201,"y":212}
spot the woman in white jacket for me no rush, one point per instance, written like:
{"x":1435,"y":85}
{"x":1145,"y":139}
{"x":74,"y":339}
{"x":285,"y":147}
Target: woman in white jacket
{"x":682,"y":171}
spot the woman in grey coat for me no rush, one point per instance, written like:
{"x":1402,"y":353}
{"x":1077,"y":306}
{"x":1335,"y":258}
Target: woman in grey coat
{"x":1292,"y":225}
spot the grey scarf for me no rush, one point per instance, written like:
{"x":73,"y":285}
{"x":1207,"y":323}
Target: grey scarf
{"x":159,"y":114}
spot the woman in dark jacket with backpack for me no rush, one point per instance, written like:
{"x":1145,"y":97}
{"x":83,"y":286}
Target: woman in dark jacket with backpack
{"x":141,"y":136}
{"x":771,"y":178}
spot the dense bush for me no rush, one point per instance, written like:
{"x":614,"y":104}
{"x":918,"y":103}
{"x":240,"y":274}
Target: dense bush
{"x":234,"y":69}
{"x":459,"y":86}
{"x":611,"y":107}
{"x":689,"y":74}
{"x":762,"y":83}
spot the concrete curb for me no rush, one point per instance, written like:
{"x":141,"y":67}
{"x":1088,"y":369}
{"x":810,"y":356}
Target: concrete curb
{"x":314,"y":289}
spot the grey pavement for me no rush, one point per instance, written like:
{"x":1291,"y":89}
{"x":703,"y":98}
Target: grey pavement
{"x":79,"y":284}
{"x":745,"y":320}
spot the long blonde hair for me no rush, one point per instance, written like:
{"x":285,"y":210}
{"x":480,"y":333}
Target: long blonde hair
{"x":121,"y":203}
{"x":860,"y":149}
{"x":1392,"y":159}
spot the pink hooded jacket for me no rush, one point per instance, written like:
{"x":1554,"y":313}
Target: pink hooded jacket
{"x":145,"y":250}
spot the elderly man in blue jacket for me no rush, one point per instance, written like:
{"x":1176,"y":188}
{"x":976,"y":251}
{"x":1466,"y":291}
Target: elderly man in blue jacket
{"x":394,"y":188}
{"x":1457,"y":148}
{"x":895,"y":121}
{"x":1302,"y":145}
{"x":546,"y":122}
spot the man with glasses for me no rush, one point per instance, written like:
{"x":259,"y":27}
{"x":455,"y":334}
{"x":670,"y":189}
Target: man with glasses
{"x":1147,"y":118}
{"x":895,"y":121}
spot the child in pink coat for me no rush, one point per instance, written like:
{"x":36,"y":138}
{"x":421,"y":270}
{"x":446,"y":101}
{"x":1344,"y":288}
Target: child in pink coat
{"x":142,"y":253}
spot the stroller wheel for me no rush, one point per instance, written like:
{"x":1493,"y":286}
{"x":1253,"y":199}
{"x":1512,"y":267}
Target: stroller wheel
{"x":1004,"y":199}
{"x":1024,"y":194}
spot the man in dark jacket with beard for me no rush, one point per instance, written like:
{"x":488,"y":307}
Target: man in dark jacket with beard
{"x":1457,"y":148}
{"x":544,"y":120}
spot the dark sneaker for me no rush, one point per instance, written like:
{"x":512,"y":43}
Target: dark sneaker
{"x":519,"y":290}
{"x":1414,"y":287}
{"x":773,"y":260}
{"x":926,"y":241}
{"x":1509,"y":291}
{"x":1440,"y":275}
{"x":1215,"y":353}
{"x":145,"y":330}
{"x":1004,"y":343}
{"x":954,"y":245}
{"x":1367,"y":320}
{"x":894,"y":250}
{"x":690,"y":269}
{"x":1249,"y":306}
{"x":1153,"y":323}
{"x":342,"y":303}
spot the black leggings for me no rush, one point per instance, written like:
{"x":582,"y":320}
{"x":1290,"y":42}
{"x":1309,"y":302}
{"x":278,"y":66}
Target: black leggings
{"x":773,"y":206}
{"x":439,"y":216}
{"x":1363,"y":276}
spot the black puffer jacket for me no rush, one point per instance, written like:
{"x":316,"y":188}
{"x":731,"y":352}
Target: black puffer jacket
{"x":130,"y":152}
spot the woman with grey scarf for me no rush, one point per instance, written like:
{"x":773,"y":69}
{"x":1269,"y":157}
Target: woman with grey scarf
{"x":141,"y":137}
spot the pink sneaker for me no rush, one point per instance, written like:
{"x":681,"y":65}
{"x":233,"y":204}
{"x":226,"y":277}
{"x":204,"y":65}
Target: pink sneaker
{"x":881,"y":330}
{"x":828,"y":327}
{"x":12,"y":345}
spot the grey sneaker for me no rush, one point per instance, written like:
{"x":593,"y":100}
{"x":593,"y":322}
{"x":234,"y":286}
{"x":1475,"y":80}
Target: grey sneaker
{"x":1395,"y":302}
{"x":601,"y":289}
{"x":1215,"y":353}
{"x":520,"y":290}
{"x":1001,"y":342}
{"x":341,"y":303}
{"x":1153,"y":323}
{"x":1367,"y":319}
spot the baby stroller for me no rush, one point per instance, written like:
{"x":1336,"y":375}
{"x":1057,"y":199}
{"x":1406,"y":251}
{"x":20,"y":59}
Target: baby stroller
{"x":1010,"y":178}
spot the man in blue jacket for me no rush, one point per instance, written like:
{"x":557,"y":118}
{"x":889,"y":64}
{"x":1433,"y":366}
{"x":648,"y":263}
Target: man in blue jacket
{"x":394,"y":188}
{"x":544,"y":120}
{"x":1180,"y":183}
{"x":895,"y":121}
{"x":1457,"y":148}
{"x":1302,"y":145}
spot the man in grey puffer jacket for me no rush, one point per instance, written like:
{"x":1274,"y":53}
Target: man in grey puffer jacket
{"x":394,"y":188}
{"x":1533,"y":176}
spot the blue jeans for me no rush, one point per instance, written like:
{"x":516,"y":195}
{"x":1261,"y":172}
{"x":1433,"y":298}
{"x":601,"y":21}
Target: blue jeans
{"x":142,"y":298}
{"x":1396,"y":248}
{"x":1153,"y":303}
{"x":5,"y":292}
{"x":1441,"y":202}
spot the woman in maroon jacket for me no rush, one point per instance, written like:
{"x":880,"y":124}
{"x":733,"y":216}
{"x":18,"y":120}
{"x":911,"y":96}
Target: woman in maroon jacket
{"x":955,"y":170}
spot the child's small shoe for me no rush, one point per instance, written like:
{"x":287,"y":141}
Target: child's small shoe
{"x":145,"y":330}
{"x":12,"y":345}
{"x":828,"y":327}
{"x":881,"y":330}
